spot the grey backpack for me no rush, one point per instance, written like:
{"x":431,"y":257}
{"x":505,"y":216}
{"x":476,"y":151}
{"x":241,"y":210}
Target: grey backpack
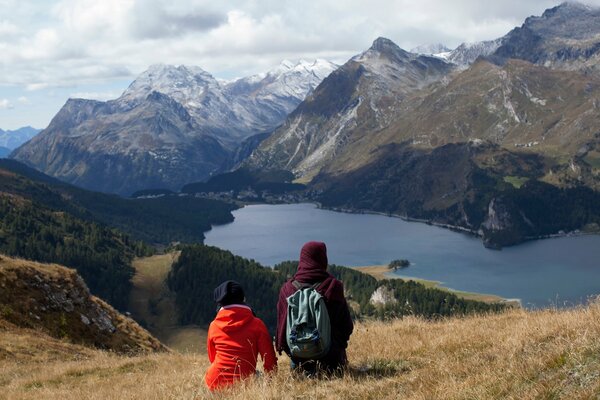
{"x":308,"y":329}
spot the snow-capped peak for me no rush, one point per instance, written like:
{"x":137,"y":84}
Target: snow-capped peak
{"x":468,"y":52}
{"x":288,"y":79}
{"x":180,"y":82}
{"x":287,"y":64}
{"x":430,"y":49}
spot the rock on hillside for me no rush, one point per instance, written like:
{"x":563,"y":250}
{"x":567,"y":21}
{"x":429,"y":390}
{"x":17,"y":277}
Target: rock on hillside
{"x":55,"y":300}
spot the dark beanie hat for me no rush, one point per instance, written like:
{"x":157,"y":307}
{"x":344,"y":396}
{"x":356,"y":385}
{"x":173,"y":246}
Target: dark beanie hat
{"x":229,"y":292}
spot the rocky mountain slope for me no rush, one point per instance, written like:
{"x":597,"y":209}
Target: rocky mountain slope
{"x":566,"y":37}
{"x":361,"y":96}
{"x":465,"y":54}
{"x":173,"y":125}
{"x":55,"y":301}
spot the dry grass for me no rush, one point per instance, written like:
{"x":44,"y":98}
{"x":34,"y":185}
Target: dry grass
{"x":515,"y":355}
{"x":25,"y":302}
{"x":153,"y":303}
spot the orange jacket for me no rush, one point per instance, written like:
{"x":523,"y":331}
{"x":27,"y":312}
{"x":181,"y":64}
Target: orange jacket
{"x":235,"y":338}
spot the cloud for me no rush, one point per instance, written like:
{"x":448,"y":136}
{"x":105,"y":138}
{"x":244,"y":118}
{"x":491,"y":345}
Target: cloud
{"x":8,"y":29}
{"x":36,"y":86}
{"x":75,"y":42}
{"x":23,"y":100}
{"x":101,"y":96}
{"x":155,"y":19}
{"x":5,"y":104}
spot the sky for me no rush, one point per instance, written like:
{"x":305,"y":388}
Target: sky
{"x":52,"y":50}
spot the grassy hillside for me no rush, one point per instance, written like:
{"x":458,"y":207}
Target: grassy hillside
{"x":53,"y":300}
{"x":152,"y":304}
{"x":517,"y":354}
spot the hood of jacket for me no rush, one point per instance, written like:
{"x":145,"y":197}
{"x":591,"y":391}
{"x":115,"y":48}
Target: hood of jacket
{"x":233,"y":317}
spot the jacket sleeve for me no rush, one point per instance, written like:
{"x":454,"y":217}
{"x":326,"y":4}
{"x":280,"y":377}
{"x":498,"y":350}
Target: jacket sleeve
{"x":341,"y":316}
{"x":210,"y":346}
{"x":280,"y":342}
{"x":265,"y":347}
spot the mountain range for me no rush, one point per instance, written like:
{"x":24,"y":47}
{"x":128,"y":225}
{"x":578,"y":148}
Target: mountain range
{"x":414,"y":136}
{"x":11,"y":139}
{"x":173,"y":125}
{"x":459,"y":136}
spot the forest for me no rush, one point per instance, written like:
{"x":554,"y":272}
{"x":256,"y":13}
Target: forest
{"x":101,"y":256}
{"x":160,"y":220}
{"x":201,"y":268}
{"x":43,"y":219}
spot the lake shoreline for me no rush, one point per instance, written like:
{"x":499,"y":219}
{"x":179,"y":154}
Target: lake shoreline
{"x":272,"y":233}
{"x":381,"y":272}
{"x":454,"y":228}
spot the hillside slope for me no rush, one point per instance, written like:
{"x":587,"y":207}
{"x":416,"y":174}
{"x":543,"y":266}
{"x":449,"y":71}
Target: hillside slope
{"x":161,"y":219}
{"x":54,"y":300}
{"x":546,"y":354}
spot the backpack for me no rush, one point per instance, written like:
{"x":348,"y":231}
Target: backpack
{"x":308,"y":329}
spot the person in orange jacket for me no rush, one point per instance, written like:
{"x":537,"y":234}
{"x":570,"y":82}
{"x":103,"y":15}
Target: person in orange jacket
{"x":235,"y":339}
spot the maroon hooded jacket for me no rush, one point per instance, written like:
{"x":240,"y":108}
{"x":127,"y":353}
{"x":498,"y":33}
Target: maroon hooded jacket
{"x":312,"y":268}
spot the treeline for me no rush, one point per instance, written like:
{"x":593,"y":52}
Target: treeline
{"x":411,"y":298}
{"x":274,"y":181}
{"x":201,"y":268}
{"x":550,"y":209}
{"x":157,"y":220}
{"x":43,"y":219}
{"x":100,"y":255}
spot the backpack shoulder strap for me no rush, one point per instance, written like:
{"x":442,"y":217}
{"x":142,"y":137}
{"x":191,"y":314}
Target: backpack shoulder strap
{"x":301,"y":285}
{"x":297,"y":284}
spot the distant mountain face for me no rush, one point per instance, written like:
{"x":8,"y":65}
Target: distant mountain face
{"x":13,"y":139}
{"x":566,"y":36}
{"x":465,"y":54}
{"x":401,"y":133}
{"x":4,"y":152}
{"x":172,"y":126}
{"x":361,"y":96}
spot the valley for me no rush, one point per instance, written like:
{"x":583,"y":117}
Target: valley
{"x":153,"y":305}
{"x":473,"y":168}
{"x":553,"y":272}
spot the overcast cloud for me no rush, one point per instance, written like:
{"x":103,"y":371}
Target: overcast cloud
{"x":63,"y":47}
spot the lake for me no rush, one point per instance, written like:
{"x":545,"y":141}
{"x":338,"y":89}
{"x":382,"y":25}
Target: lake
{"x":551,"y":272}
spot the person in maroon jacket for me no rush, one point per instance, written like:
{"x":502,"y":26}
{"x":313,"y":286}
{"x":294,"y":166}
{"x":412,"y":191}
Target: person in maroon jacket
{"x":312,"y":268}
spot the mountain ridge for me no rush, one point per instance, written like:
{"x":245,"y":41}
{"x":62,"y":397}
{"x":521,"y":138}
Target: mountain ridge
{"x":356,"y":96}
{"x":172,"y":126}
